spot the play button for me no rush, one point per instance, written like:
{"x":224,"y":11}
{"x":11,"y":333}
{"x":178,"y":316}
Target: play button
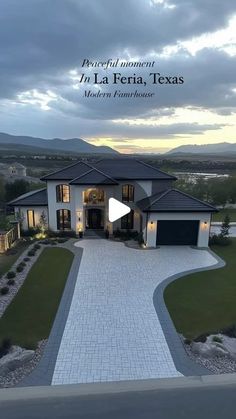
{"x":117,"y":210}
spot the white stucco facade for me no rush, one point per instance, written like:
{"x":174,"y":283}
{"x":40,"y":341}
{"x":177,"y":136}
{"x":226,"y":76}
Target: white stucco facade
{"x":21,"y":214}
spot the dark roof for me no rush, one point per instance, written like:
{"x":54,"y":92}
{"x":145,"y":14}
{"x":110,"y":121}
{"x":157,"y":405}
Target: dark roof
{"x":118,"y":169}
{"x":70,"y":172}
{"x":33,"y":198}
{"x":93,"y":177}
{"x":173,"y":200}
{"x":131,"y":169}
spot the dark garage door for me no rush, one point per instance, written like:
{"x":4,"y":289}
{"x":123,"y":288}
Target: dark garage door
{"x":177,"y":232}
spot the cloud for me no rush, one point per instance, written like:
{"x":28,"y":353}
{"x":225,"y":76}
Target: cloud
{"x":42,"y":41}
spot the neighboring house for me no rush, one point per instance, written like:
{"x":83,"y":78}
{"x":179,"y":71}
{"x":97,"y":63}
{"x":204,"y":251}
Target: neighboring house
{"x":76,"y":198}
{"x":17,"y":169}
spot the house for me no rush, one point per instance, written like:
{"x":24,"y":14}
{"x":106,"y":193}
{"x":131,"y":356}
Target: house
{"x":17,"y":169}
{"x":76,"y":198}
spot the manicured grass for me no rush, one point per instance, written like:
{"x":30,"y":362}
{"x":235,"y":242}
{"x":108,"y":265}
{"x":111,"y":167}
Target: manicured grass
{"x":29,"y":317}
{"x":205,"y":301}
{"x":219,"y":216}
{"x":7,"y":260}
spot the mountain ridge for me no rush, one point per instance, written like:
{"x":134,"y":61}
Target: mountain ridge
{"x":216,"y":148}
{"x":76,"y":145}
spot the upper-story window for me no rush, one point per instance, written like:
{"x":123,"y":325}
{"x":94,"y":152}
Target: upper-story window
{"x":127,"y":193}
{"x":93,"y":196}
{"x":63,"y":193}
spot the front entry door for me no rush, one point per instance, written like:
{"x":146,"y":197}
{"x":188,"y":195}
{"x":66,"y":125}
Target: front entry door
{"x":95,"y":218}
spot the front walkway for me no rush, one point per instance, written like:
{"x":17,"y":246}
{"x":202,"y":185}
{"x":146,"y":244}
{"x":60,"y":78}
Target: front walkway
{"x":112,"y":332}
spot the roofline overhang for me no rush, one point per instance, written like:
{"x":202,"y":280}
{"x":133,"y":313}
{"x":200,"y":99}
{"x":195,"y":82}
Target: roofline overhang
{"x":26,"y":205}
{"x":173,"y":211}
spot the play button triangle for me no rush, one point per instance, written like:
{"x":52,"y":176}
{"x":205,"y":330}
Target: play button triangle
{"x":116,"y":210}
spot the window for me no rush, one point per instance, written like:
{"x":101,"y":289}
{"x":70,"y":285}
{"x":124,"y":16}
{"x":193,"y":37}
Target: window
{"x":63,"y":219}
{"x":127,"y":193}
{"x":127,"y":222}
{"x":93,"y":196}
{"x":30,"y":218}
{"x":63,"y":193}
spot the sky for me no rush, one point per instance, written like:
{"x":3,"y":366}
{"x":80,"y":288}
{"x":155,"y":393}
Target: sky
{"x":43,"y":44}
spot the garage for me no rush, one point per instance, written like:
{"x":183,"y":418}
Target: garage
{"x":177,"y":232}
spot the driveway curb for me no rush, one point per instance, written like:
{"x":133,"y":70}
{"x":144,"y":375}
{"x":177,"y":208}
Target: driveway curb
{"x":184,"y":364}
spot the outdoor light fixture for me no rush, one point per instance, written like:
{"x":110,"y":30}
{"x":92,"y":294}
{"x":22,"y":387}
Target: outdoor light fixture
{"x":205,"y":222}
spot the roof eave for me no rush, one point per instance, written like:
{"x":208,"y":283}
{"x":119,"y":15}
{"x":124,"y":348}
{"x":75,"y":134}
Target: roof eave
{"x":173,"y":210}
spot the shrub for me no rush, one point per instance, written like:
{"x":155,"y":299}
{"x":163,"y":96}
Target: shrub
{"x":217,"y":339}
{"x":20,"y":268}
{"x":22,"y":263}
{"x":30,"y":232}
{"x":31,"y":253}
{"x":4,"y":290}
{"x":26,"y":259}
{"x":62,"y":240}
{"x":11,"y":282}
{"x":37,"y":246}
{"x":117,"y":233}
{"x":187,"y":341}
{"x":53,"y":243}
{"x":219,"y":240}
{"x":61,"y":234}
{"x":46,"y":241}
{"x":229,"y":331}
{"x":11,"y":274}
{"x":5,"y":347}
{"x":140,"y":238}
{"x":201,"y":338}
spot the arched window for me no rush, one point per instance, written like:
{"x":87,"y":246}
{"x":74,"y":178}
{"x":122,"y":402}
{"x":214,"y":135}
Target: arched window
{"x":63,"y":193}
{"x":63,"y":219}
{"x":127,"y":193}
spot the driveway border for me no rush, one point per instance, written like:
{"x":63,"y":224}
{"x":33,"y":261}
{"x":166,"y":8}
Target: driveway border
{"x":43,"y":373}
{"x":184,"y":364}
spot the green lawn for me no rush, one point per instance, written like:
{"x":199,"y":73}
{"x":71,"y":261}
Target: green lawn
{"x":29,"y":317}
{"x":7,"y":260}
{"x":206,"y":301}
{"x":219,"y":216}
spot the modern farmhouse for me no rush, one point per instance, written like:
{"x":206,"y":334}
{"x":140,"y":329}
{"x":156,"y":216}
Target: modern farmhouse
{"x":76,"y":199}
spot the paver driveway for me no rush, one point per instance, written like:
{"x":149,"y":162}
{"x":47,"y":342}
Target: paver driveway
{"x":112,"y":332}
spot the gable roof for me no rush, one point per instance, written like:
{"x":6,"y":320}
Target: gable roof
{"x":117,"y":169}
{"x":94,"y":177}
{"x":33,"y":198}
{"x":127,"y":168}
{"x":70,"y":172}
{"x":173,"y":200}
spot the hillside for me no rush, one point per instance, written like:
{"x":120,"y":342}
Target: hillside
{"x":76,"y":145}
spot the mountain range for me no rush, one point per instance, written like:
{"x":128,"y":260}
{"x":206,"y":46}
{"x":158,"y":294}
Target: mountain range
{"x":55,"y":145}
{"x":220,"y":148}
{"x":34,"y":145}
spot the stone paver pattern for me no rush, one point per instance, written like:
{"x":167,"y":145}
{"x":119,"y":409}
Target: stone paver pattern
{"x":112,"y":332}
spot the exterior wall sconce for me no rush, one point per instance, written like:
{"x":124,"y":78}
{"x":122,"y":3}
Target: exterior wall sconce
{"x":205,"y":222}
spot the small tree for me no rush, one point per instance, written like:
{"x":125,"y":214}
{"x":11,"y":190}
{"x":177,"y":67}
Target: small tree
{"x":225,"y":226}
{"x":43,"y":222}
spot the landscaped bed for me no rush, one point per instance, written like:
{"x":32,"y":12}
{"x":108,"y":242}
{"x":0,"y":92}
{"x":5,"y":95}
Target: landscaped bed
{"x":29,"y":317}
{"x":205,"y":302}
{"x":7,"y":259}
